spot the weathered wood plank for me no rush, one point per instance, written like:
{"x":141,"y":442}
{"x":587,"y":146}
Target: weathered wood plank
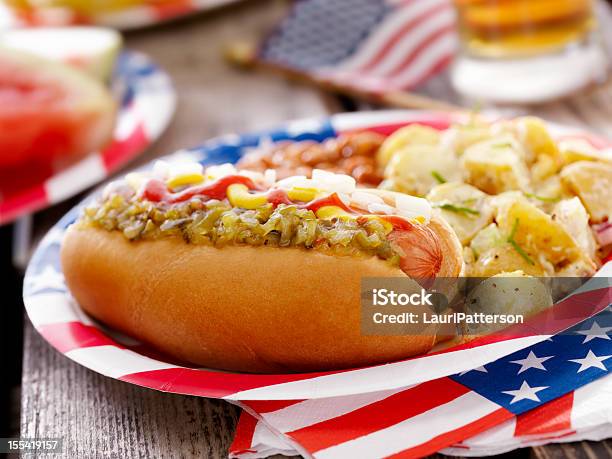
{"x":577,"y":450}
{"x":101,"y":417}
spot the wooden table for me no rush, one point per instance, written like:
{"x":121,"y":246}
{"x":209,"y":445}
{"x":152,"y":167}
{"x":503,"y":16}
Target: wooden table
{"x":102,"y":417}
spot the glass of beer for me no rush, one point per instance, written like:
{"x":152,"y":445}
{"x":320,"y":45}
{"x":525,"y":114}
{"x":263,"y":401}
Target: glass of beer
{"x":526,"y":50}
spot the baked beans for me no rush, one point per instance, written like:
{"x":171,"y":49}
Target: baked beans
{"x":352,"y":154}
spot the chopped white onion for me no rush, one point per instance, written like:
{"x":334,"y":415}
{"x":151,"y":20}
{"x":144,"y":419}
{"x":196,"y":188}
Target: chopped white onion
{"x":322,"y":175}
{"x":329,"y":181}
{"x":299,"y":181}
{"x":376,"y":208}
{"x":270,"y":176}
{"x":161,"y":170}
{"x":321,"y":180}
{"x":345,"y":198}
{"x":253,"y":175}
{"x":136,"y":180}
{"x":222,"y":170}
{"x":178,"y":169}
{"x":119,"y":187}
{"x":362,"y":199}
{"x":408,"y":214}
{"x":412,"y":205}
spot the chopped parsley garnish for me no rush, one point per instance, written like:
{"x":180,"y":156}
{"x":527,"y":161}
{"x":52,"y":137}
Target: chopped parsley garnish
{"x":457,"y":209}
{"x":502,"y":145}
{"x":517,"y":247}
{"x":542,"y":198}
{"x":438,"y":177}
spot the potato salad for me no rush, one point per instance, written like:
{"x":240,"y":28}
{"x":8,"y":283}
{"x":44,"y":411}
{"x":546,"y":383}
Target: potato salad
{"x":518,"y":198}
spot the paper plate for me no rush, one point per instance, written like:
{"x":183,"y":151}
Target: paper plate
{"x":125,"y":19}
{"x":147,"y":103}
{"x":60,"y":320}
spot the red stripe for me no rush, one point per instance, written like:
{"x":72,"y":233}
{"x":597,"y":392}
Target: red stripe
{"x":120,"y":151}
{"x":379,"y":415}
{"x":28,"y":201}
{"x":67,"y":336}
{"x":207,"y":383}
{"x":243,"y":438}
{"x":397,"y":37}
{"x":551,"y":417}
{"x":454,"y":436}
{"x":388,"y":129}
{"x":267,"y":406}
{"x":423,"y":46}
{"x":438,"y":67}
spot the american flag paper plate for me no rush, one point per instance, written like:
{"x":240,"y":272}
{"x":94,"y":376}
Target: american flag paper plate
{"x":147,"y":103}
{"x":133,"y":17}
{"x":65,"y":326}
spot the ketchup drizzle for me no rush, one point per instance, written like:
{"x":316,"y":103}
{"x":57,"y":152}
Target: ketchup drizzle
{"x":331,"y":200}
{"x":157,"y":191}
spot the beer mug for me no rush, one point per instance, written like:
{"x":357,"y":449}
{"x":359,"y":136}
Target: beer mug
{"x":526,"y":50}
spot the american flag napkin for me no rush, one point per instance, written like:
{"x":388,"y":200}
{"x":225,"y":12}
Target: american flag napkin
{"x":370,"y":45}
{"x":583,"y":414}
{"x":553,"y":391}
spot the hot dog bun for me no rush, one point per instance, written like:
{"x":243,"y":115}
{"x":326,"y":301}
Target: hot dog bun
{"x":254,"y":309}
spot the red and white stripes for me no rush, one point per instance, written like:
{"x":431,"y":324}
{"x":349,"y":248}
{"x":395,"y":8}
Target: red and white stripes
{"x":411,"y":422}
{"x":584,"y":414}
{"x":393,"y":426}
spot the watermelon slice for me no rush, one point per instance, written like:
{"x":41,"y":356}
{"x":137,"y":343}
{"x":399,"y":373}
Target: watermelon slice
{"x":50,"y":114}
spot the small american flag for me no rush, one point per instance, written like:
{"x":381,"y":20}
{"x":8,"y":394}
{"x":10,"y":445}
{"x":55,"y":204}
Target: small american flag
{"x":553,"y":391}
{"x":369,"y":45}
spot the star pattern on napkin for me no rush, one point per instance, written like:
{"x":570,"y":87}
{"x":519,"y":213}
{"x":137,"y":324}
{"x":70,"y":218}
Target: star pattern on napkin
{"x":591,"y":361}
{"x":525,"y":392}
{"x":531,"y":361}
{"x":596,"y":331}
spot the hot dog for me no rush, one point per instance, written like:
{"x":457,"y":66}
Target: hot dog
{"x":234,"y":270}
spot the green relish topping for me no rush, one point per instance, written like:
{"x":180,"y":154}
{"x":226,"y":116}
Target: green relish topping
{"x":217,"y":223}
